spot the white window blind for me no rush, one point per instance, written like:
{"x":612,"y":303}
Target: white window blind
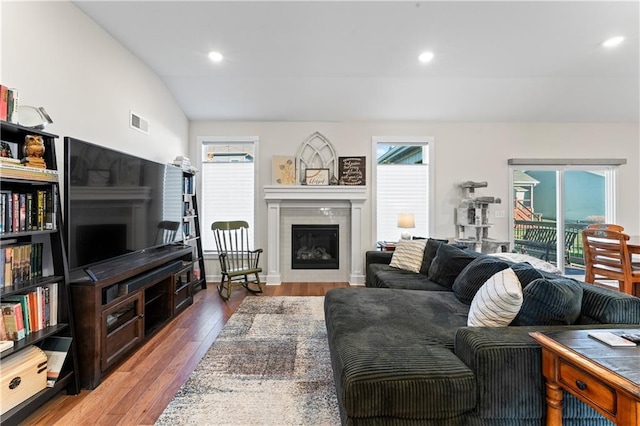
{"x":227,"y":194}
{"x":401,"y":188}
{"x":172,"y":194}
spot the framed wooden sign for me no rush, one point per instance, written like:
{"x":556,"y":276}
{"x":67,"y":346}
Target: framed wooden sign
{"x":317,"y":176}
{"x":352,"y":170}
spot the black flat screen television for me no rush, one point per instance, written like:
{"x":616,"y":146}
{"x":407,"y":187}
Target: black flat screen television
{"x":116,"y":203}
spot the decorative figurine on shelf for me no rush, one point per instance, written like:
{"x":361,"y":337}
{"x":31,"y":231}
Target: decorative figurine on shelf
{"x":33,"y":151}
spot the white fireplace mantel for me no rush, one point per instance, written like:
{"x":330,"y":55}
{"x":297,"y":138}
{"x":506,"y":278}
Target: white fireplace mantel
{"x":278,"y":196}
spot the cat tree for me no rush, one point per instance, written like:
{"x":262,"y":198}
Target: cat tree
{"x":472,"y":220}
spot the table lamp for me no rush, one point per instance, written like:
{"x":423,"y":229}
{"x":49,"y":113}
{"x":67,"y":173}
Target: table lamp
{"x":406,"y":221}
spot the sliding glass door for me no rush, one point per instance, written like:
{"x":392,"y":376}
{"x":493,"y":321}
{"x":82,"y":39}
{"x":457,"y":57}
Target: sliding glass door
{"x":552,"y":205}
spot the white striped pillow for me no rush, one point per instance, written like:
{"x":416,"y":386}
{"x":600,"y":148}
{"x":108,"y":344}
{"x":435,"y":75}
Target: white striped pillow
{"x":497,"y":302}
{"x":408,"y":255}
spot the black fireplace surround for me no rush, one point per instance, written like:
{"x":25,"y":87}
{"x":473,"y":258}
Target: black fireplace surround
{"x":315,"y":247}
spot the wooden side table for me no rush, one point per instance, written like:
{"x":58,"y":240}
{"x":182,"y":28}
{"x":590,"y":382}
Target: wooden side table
{"x":607,"y":378}
{"x":387,"y":246}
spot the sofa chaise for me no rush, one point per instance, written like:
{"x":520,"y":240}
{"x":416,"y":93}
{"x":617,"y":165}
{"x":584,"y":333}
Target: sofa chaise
{"x":402,"y":351}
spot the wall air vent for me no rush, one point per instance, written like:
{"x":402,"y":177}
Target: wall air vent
{"x":138,"y":123}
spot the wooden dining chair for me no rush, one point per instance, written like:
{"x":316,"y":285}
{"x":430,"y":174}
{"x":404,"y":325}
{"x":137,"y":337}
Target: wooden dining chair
{"x":607,"y":257}
{"x":606,"y":227}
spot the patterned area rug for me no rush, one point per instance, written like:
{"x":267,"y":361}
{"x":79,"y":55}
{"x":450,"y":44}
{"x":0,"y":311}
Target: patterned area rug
{"x":270,"y":365}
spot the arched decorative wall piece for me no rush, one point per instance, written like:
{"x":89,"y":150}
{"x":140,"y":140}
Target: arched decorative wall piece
{"x":316,"y":152}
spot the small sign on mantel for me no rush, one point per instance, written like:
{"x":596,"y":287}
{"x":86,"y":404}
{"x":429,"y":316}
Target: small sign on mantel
{"x":352,"y":170}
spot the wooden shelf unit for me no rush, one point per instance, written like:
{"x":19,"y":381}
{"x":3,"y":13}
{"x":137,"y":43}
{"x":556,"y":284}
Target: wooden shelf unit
{"x":54,"y":271}
{"x":191,"y":227}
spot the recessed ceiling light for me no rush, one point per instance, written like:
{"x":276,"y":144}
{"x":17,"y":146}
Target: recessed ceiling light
{"x":215,"y":56}
{"x":425,"y":57}
{"x":613,"y":42}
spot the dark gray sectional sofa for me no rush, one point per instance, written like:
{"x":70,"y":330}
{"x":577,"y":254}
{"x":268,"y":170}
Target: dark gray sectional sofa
{"x":402,"y":353}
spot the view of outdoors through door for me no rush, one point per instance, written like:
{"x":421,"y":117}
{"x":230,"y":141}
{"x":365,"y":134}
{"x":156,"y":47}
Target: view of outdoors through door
{"x":542,"y":213}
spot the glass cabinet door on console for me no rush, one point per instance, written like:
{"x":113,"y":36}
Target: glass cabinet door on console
{"x":121,"y":329}
{"x":183,"y":294}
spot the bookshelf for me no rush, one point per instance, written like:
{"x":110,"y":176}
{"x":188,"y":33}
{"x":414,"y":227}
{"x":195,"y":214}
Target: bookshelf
{"x":191,"y":228}
{"x":35,"y":274}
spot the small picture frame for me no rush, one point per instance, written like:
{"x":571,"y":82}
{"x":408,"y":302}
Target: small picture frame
{"x":316,"y":176}
{"x":284,"y":170}
{"x":9,"y":150}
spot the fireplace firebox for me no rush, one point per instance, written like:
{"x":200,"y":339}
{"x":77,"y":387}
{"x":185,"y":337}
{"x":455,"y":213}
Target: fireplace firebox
{"x":315,"y":247}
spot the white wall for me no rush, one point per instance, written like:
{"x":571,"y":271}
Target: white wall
{"x":61,"y":60}
{"x":463,"y":151}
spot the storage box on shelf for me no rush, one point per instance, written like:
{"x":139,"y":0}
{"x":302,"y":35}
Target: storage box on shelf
{"x":191,"y":229}
{"x":34,"y":276}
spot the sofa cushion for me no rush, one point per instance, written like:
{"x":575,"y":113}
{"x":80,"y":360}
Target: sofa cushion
{"x":430,"y":251}
{"x":385,"y":276}
{"x":448,"y":264}
{"x":604,"y":306}
{"x":533,"y":261}
{"x":391,"y":352}
{"x":550,"y":302}
{"x":474,"y":275}
{"x":497,"y":302}
{"x":527,"y":273}
{"x":408,"y":255}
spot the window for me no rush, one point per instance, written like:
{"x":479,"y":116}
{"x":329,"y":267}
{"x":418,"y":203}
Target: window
{"x":228,"y":170}
{"x":402,"y":185}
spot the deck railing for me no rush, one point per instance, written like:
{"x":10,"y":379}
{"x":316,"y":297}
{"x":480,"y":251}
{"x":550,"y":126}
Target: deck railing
{"x":539,"y":239}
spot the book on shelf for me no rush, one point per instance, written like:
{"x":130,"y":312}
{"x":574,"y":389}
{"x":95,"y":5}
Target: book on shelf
{"x":12,"y":105}
{"x":5,"y":345}
{"x":18,"y":171}
{"x":13,"y":320}
{"x":3,"y":330}
{"x":3,"y":102}
{"x":12,"y":161}
{"x":56,"y":349}
{"x":7,"y":273}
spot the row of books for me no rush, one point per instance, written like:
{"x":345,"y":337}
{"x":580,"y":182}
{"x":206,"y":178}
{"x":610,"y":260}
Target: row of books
{"x":23,"y":314}
{"x":28,"y":211}
{"x":187,"y":185}
{"x":8,"y":104}
{"x":20,"y":262}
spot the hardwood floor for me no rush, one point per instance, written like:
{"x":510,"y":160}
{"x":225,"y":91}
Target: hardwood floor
{"x":137,"y":390}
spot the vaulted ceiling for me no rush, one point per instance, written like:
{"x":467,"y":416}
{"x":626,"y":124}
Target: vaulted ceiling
{"x":539,"y":61}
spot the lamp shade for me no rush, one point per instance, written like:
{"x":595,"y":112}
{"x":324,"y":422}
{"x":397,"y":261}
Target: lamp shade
{"x":406,"y":220}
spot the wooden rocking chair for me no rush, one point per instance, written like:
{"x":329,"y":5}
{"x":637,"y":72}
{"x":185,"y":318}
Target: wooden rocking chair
{"x":237,"y":261}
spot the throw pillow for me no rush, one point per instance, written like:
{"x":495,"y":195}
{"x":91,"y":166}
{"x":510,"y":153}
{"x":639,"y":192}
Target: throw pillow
{"x":474,"y":275}
{"x":408,"y":255}
{"x":526,"y":273}
{"x":448,"y":264}
{"x":497,"y":302}
{"x":550,"y":302}
{"x":429,"y":253}
{"x":533,"y":261}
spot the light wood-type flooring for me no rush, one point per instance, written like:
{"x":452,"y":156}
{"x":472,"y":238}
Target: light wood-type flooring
{"x":138,"y":389}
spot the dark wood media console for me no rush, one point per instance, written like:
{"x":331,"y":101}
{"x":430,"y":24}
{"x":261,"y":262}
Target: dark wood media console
{"x":118,"y":304}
